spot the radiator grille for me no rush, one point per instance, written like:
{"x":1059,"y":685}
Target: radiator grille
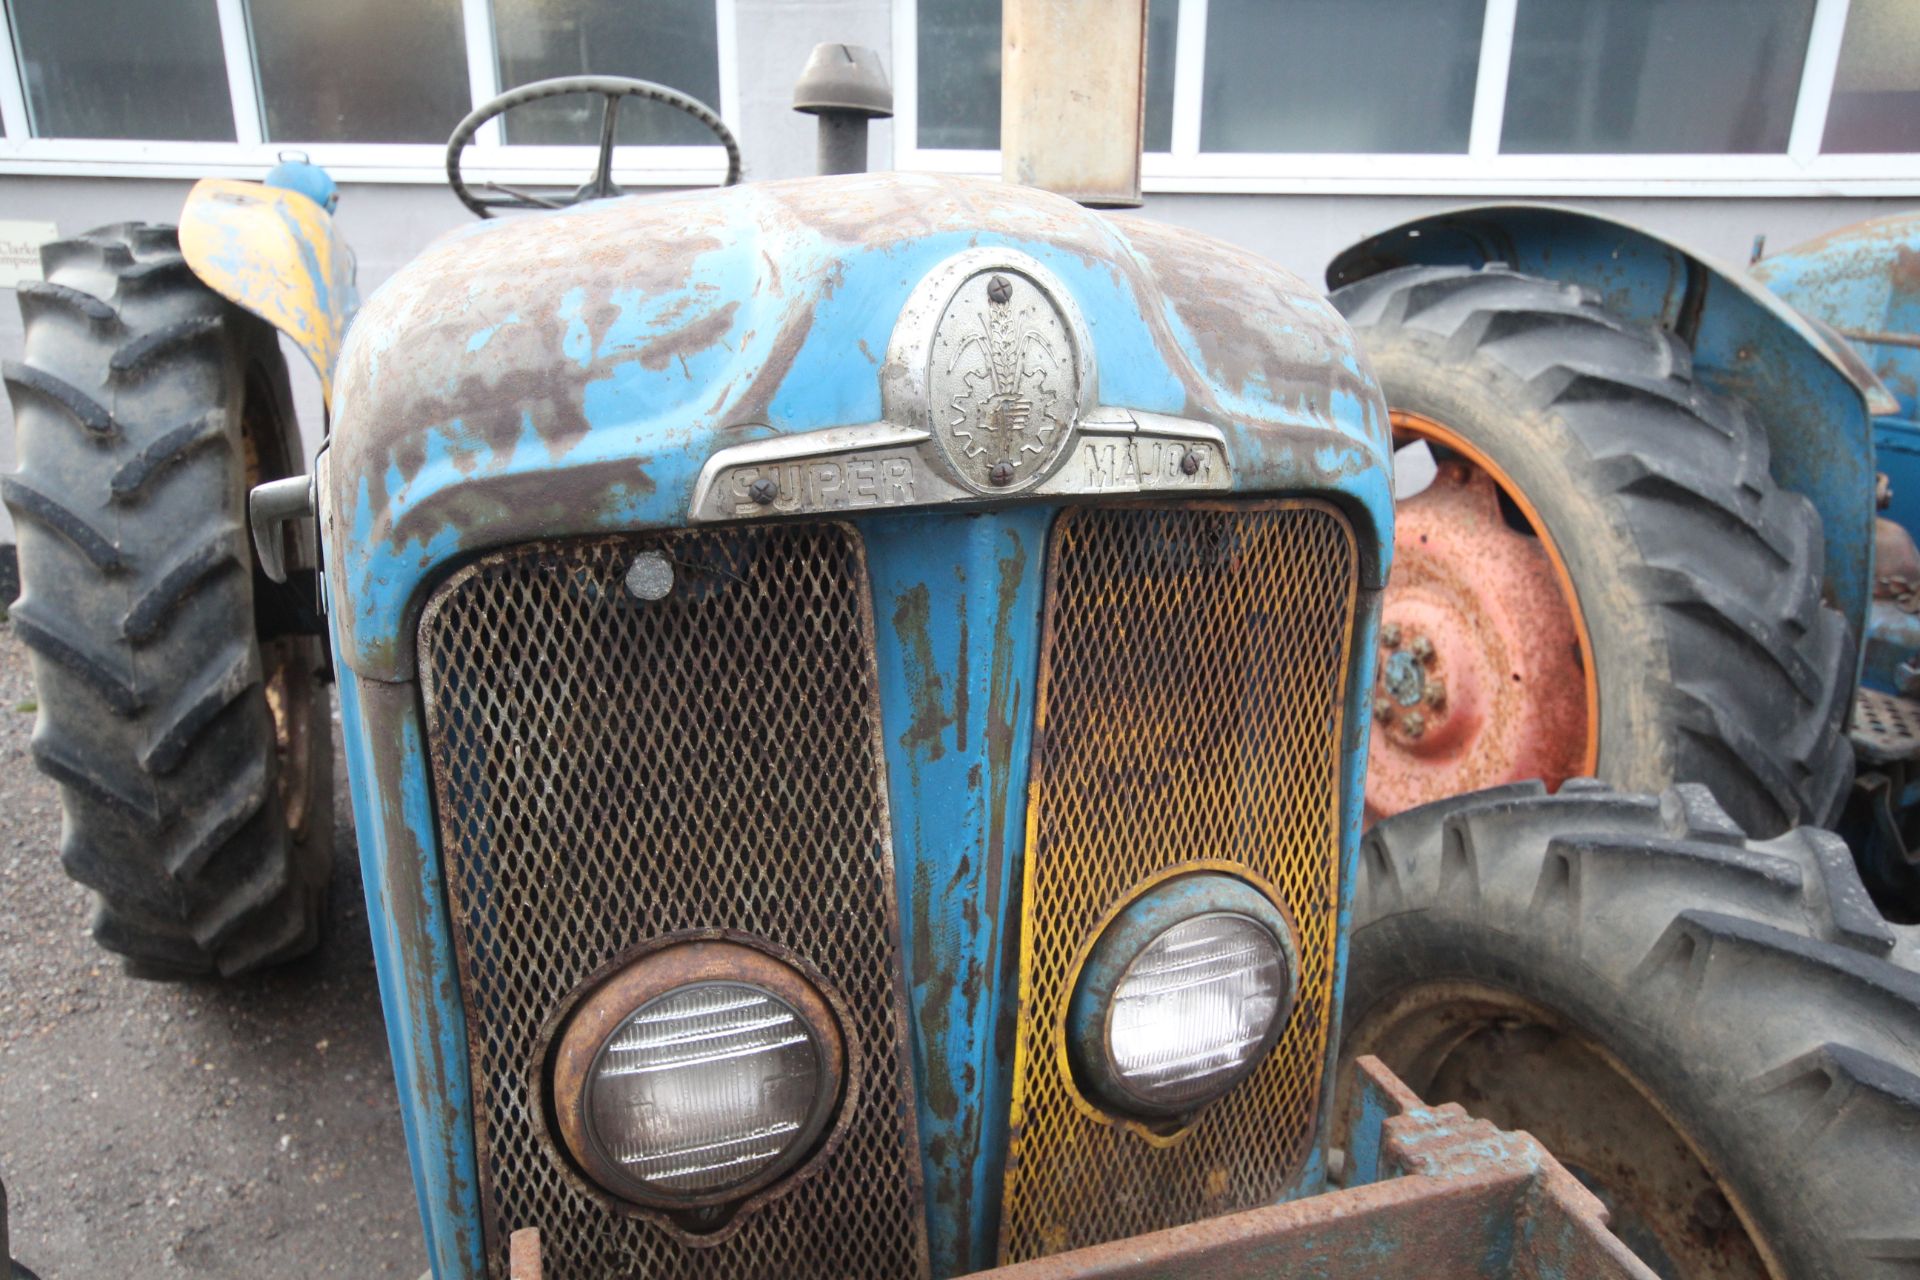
{"x":1191,"y":689}
{"x":609,"y":770}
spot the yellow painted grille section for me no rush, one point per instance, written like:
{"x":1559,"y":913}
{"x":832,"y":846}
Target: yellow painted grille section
{"x":1190,"y":698}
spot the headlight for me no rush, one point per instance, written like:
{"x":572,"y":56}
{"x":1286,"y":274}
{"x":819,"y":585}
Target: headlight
{"x":1182,"y":996}
{"x":698,"y":1075}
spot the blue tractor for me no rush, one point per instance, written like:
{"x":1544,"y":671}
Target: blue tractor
{"x":857,"y":696}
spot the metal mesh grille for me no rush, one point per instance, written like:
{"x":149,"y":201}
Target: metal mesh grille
{"x":610,"y":770}
{"x":1191,"y":685}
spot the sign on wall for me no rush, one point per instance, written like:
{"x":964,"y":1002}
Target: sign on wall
{"x":20,"y":250}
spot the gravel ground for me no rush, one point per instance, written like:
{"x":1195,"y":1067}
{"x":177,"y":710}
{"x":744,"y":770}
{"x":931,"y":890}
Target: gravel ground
{"x":244,"y":1129}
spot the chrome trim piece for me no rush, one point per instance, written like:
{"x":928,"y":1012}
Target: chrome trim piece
{"x":1114,"y":452}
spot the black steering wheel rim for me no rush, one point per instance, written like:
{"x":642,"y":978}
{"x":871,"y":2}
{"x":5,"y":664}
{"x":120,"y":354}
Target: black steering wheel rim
{"x":612,"y":90}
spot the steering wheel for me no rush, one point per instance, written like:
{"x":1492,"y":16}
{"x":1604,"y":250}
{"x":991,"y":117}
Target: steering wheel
{"x":612,"y":91}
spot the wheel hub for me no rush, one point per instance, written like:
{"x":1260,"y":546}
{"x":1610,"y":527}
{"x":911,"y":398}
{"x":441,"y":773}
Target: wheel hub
{"x":1480,"y":679}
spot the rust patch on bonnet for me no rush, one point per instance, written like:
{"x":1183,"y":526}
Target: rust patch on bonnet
{"x":1255,"y":327}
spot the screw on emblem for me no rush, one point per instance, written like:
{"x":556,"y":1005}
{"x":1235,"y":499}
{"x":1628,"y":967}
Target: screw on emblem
{"x":1383,"y":710}
{"x":1002,"y":473}
{"x":1190,"y":462}
{"x":999,"y":289}
{"x":763,"y":491}
{"x":1415,"y":724}
{"x":1390,"y":635}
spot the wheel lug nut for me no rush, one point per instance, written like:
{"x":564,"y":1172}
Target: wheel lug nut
{"x":1390,"y":635}
{"x":1415,"y":724}
{"x":1421,"y":648}
{"x":1436,"y":692}
{"x":1383,"y":710}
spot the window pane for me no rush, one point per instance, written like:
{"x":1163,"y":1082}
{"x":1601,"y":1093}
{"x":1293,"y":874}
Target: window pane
{"x":361,"y":70}
{"x":671,"y":42}
{"x":1655,"y":76}
{"x":1340,"y":75}
{"x":1876,"y":89}
{"x":107,"y":69}
{"x":959,"y":64}
{"x":959,"y":68}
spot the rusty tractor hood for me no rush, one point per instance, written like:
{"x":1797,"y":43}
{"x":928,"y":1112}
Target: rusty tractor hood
{"x":573,"y":373}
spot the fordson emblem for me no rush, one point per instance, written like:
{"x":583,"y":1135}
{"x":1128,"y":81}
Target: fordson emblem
{"x":1002,"y":387}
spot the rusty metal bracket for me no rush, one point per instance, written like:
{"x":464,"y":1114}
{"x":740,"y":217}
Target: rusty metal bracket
{"x":1433,"y":1193}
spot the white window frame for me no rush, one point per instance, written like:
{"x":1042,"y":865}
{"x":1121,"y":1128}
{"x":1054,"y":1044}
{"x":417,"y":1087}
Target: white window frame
{"x":250,"y":155}
{"x":1481,"y":170}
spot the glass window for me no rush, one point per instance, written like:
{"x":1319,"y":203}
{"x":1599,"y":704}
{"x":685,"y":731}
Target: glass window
{"x":959,"y":73}
{"x":107,"y":69}
{"x":360,"y":70}
{"x":959,"y":66}
{"x":1655,"y":76}
{"x":1876,"y":88}
{"x":1340,"y":75}
{"x":671,"y":42}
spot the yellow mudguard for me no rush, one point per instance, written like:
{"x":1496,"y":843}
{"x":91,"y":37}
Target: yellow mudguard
{"x":275,"y":253}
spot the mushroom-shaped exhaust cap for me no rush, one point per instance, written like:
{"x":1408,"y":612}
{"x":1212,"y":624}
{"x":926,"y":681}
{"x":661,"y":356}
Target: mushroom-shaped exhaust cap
{"x":843,"y":78}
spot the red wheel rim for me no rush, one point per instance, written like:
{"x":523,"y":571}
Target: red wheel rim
{"x":1484,"y":669}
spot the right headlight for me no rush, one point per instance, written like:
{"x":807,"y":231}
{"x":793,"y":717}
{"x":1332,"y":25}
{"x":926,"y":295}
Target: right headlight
{"x":698,"y":1075}
{"x":1182,"y":996}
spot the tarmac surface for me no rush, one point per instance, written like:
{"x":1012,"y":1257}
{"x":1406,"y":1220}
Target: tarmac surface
{"x":242,"y":1129}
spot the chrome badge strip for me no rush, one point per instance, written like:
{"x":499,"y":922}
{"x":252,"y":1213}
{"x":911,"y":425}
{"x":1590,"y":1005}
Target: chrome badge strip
{"x":989,"y":392}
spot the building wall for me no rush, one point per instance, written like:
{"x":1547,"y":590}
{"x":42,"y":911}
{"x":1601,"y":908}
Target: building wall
{"x":387,"y":224}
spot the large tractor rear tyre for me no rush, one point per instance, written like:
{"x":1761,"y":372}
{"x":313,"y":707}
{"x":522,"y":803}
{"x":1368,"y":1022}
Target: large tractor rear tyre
{"x":1719,"y":1035}
{"x":193,"y":754}
{"x":1646,"y":605}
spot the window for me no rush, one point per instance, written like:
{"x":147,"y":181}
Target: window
{"x":370,"y":88}
{"x":674,"y":45}
{"x":1876,"y":88}
{"x":108,"y":70}
{"x":1693,"y":77}
{"x":1408,"y":86}
{"x":1474,"y":97}
{"x":360,"y":70}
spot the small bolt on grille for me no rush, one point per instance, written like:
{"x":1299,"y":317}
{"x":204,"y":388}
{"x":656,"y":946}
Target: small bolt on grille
{"x":1192,"y":683}
{"x":637,"y":736}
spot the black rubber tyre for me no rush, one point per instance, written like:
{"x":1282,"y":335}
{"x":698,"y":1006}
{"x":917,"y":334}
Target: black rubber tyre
{"x":1698,"y":577}
{"x":198,"y":813}
{"x":1743,"y":997}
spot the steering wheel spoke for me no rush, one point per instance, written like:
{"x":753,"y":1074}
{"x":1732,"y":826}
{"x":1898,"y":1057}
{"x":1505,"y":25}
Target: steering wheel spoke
{"x":612,"y":90}
{"x":603,"y":167}
{"x":518,"y":199}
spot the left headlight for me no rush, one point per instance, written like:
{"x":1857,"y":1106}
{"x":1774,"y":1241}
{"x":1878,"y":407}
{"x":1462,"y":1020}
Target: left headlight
{"x":697,"y":1075}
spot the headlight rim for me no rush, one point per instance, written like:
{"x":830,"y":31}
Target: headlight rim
{"x":580,"y":1027}
{"x":1116,"y":940}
